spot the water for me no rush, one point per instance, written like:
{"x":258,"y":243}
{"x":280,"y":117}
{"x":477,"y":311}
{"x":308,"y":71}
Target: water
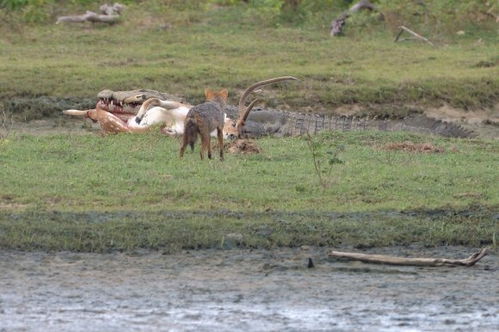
{"x":243,"y":290}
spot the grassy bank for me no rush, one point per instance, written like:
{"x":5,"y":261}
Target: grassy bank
{"x":218,"y":48}
{"x":123,"y":192}
{"x":171,"y":231}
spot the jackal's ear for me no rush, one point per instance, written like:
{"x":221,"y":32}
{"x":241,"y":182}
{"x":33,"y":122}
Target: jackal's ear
{"x":224,"y":93}
{"x":209,"y":94}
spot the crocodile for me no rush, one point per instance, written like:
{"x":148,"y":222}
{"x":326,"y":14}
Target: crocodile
{"x":271,"y":122}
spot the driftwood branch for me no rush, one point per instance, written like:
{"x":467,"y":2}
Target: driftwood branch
{"x":393,"y":260}
{"x":490,"y":12}
{"x":338,"y":24}
{"x":109,"y":14}
{"x":403,"y":28}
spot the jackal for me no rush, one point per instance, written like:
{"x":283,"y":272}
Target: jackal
{"x":203,"y":119}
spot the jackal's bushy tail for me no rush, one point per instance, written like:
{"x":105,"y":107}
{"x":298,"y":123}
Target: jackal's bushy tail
{"x":191,"y":131}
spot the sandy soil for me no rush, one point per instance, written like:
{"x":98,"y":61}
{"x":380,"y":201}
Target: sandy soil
{"x":484,"y":122}
{"x":243,"y":290}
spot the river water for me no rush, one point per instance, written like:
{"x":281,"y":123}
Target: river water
{"x":244,"y":290}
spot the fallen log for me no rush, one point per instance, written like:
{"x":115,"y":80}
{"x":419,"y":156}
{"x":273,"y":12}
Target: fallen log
{"x":109,"y":14}
{"x":409,"y":261}
{"x":89,"y":16}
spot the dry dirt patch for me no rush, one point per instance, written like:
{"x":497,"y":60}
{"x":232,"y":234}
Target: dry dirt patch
{"x":484,"y":122}
{"x":409,"y":146}
{"x":243,"y":146}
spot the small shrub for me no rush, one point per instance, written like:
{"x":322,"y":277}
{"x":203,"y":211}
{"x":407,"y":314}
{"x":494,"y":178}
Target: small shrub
{"x":324,"y":154}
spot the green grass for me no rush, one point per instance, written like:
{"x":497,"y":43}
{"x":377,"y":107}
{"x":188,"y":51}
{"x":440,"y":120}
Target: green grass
{"x":129,"y":191}
{"x":144,"y":172}
{"x":215,"y":48}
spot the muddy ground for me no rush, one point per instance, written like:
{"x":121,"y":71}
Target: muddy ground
{"x":50,"y":126}
{"x":250,"y":290}
{"x":42,"y":115}
{"x":63,"y":125}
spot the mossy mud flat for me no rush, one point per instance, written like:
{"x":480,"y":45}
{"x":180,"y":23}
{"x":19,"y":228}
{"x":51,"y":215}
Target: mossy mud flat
{"x":43,"y":115}
{"x":172,"y":231}
{"x":250,"y":290}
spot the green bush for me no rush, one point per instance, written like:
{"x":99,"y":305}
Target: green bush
{"x":432,"y":16}
{"x":13,"y":4}
{"x":32,"y":11}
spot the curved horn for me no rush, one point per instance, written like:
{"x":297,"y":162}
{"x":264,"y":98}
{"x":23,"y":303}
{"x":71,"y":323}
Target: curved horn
{"x":75,"y":113}
{"x":245,"y":110}
{"x":242,"y":117}
{"x":262,"y":83}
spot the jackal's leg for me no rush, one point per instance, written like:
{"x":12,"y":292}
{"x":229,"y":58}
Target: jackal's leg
{"x":220,"y":136}
{"x":185,"y":141}
{"x":205,"y":143}
{"x":208,"y":144}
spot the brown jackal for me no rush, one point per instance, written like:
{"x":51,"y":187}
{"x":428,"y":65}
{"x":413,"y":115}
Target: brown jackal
{"x":203,"y":119}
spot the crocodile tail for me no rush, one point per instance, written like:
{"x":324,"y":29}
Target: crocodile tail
{"x":439,"y":127}
{"x":298,"y":124}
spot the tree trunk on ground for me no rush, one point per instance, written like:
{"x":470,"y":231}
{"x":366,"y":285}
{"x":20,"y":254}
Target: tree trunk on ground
{"x":109,"y":14}
{"x":392,"y":260}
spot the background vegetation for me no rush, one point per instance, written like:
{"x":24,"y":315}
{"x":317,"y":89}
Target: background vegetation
{"x":437,"y":13}
{"x":183,"y":46}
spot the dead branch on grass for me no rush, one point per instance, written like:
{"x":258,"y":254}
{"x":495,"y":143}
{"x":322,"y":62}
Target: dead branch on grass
{"x":418,"y":36}
{"x":409,"y":261}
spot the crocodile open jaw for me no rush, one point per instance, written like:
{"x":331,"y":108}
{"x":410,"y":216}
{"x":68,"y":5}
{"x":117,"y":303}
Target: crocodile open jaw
{"x":127,"y":103}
